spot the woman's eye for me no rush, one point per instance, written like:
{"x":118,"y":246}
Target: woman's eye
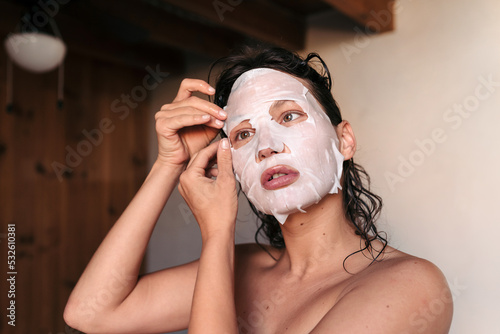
{"x":243,"y":135}
{"x":291,"y":116}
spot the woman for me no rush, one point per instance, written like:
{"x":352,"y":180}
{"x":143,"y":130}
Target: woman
{"x":327,"y":269}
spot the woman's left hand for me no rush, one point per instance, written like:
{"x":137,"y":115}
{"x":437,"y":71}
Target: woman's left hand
{"x":214,"y":202}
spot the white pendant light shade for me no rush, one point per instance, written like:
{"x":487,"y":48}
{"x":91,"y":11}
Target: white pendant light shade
{"x":35,"y":52}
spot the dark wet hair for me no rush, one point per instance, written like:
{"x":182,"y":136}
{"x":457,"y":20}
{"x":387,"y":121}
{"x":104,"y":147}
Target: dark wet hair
{"x":361,"y":206}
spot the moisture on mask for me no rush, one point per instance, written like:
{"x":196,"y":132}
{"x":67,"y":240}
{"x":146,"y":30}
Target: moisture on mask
{"x":285,"y":149}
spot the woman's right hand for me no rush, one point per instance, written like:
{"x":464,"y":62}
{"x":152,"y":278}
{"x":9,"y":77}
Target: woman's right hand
{"x":188,"y":124}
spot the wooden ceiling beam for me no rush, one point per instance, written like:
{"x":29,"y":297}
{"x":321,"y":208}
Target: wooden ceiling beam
{"x":375,"y":15}
{"x":258,"y":19}
{"x":82,"y":41}
{"x":164,"y":28}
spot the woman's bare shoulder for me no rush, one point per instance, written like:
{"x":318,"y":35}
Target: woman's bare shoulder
{"x":396,"y":264}
{"x":400,"y":293}
{"x":398,"y":270}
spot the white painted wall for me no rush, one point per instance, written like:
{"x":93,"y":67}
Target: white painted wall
{"x":398,"y":89}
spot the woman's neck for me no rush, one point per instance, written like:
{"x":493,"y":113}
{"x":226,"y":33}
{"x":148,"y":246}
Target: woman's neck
{"x":318,"y":240}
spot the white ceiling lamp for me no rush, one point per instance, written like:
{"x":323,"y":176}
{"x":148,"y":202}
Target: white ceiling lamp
{"x":37,"y":52}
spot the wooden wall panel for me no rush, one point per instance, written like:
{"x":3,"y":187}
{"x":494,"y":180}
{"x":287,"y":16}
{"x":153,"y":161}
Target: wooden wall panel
{"x":60,"y":223}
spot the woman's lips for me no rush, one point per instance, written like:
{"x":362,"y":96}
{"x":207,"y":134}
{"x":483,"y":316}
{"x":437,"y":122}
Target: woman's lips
{"x":272,"y":179}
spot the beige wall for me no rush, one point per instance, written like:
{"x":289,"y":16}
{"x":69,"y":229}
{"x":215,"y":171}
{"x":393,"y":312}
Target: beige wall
{"x":436,"y":167}
{"x":419,"y":95}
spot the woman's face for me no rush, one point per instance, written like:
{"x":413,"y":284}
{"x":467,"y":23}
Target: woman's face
{"x":285,"y":149}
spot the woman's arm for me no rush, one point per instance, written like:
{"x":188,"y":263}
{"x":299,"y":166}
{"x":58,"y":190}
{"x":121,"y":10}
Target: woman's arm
{"x":108,"y":297}
{"x":214,"y":204}
{"x":112,"y":273}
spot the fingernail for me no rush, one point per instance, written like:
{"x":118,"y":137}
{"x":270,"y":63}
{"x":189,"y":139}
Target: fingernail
{"x":224,"y":143}
{"x":219,"y":122}
{"x":222,"y":113}
{"x":211,"y":89}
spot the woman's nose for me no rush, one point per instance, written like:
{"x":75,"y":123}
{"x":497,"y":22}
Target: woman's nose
{"x":265,"y":153}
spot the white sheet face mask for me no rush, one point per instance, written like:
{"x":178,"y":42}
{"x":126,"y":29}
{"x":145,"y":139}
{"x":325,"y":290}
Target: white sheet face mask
{"x":285,"y":149}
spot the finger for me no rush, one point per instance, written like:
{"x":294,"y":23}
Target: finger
{"x":215,"y":122}
{"x":211,"y":169}
{"x":188,"y":86}
{"x":224,"y":159}
{"x":212,"y":163}
{"x":195,"y":103}
{"x":218,"y":116}
{"x":201,"y":159}
{"x":212,"y":172}
{"x":165,"y":124}
{"x":198,"y":104}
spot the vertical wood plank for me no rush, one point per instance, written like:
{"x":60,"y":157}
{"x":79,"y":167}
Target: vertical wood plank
{"x":60,"y":223}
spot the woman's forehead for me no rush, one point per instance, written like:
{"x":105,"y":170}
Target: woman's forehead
{"x":263,"y":85}
{"x":255,"y":91}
